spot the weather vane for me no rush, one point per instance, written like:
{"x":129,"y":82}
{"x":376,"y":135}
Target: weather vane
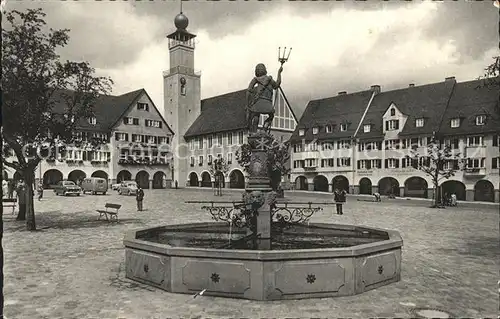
{"x":284,"y":58}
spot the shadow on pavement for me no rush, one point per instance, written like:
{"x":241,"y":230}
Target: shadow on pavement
{"x":478,"y":247}
{"x":55,"y":219}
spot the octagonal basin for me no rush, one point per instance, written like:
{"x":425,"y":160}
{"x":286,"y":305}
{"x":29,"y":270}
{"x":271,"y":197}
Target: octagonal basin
{"x":303,"y":261}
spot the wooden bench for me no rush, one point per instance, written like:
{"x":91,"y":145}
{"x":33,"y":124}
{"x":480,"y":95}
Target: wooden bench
{"x":10,"y":202}
{"x":113,"y":215}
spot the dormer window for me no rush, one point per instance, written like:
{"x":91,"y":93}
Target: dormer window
{"x":328,"y":128}
{"x":315,"y":130}
{"x":92,"y":120}
{"x":391,"y":125}
{"x":480,"y":119}
{"x":302,"y":132}
{"x":419,"y":122}
{"x":143,"y":107}
{"x":343,"y":127}
{"x":367,"y":128}
{"x":454,"y":123}
{"x":393,"y":112}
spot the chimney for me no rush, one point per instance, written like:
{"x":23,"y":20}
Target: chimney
{"x":411,"y":85}
{"x":450,"y":78}
{"x":375,"y":88}
{"x":343,"y":93}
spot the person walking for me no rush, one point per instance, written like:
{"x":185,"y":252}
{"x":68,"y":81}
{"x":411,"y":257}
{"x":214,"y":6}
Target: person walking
{"x":377,"y":197}
{"x":340,"y":197}
{"x":21,"y":197}
{"x":40,"y":190}
{"x":139,"y":197}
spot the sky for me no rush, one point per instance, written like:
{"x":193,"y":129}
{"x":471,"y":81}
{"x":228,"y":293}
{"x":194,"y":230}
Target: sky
{"x":337,"y":45}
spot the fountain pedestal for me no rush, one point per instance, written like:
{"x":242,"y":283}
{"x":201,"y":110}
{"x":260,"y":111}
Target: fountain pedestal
{"x":259,"y":192}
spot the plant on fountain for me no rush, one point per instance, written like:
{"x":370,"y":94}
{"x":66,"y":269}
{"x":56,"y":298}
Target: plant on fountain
{"x":277,"y":157}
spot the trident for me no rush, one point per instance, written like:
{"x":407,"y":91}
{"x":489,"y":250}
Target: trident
{"x":283,"y":59}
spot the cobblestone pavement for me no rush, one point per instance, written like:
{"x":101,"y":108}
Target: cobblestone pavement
{"x":73,"y":267}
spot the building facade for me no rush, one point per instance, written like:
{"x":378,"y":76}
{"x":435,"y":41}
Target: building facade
{"x":212,"y":128}
{"x":360,"y":141}
{"x":137,"y":145}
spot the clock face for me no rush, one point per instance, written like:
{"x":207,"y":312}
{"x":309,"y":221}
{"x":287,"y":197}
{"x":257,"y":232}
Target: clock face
{"x":183,"y":81}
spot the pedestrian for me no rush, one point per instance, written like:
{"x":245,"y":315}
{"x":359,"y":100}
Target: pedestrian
{"x":340,"y":197}
{"x":139,"y":197}
{"x":21,"y":197}
{"x":11,"y":188}
{"x":176,"y":184}
{"x":5,"y":188}
{"x":453,"y":200}
{"x":40,"y":190}
{"x":377,"y":197}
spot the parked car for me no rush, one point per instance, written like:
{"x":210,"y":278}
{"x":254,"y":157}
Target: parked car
{"x":116,"y":186}
{"x":67,"y":188}
{"x":128,"y":188}
{"x":95,"y":185}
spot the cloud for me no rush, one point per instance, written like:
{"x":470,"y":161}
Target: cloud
{"x":337,"y":48}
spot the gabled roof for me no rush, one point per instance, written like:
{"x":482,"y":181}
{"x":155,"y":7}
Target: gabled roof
{"x":333,"y":111}
{"x":226,"y":112}
{"x":108,"y":109}
{"x":426,"y":101}
{"x":470,"y":99}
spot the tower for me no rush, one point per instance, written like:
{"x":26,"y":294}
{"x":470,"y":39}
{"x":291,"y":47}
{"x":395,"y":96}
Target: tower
{"x":181,"y":90}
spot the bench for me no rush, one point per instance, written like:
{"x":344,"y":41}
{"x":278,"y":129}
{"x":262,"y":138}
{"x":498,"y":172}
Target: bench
{"x":10,"y":202}
{"x":113,"y":215}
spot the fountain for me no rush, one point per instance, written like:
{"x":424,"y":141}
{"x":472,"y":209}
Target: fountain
{"x":261,"y":247}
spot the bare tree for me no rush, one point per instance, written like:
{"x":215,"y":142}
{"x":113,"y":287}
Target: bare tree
{"x":219,"y":169}
{"x":438,"y":161}
{"x":34,"y":81}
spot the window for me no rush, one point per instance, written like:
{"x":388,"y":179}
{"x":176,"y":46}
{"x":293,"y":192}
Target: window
{"x":191,"y":161}
{"x":183,"y":90}
{"x":240,"y":138}
{"x":391,"y":163}
{"x":229,"y":158}
{"x":163,"y":139}
{"x":121,"y":137}
{"x":311,"y":162}
{"x":302,"y":132}
{"x":475,"y":141}
{"x":298,"y":164}
{"x":209,"y":159}
{"x":343,"y":127}
{"x":393,"y":112}
{"x":136,"y":138}
{"x":476,"y":162}
{"x":143,"y":107}
{"x":392,"y":144}
{"x":454,"y":123}
{"x":92,"y":120}
{"x":419,"y":122}
{"x":191,"y":144}
{"x":451,"y":164}
{"x":219,"y":139}
{"x":219,"y":155}
{"x":200,"y":160}
{"x":391,"y":125}
{"x":210,"y":141}
{"x":328,"y":128}
{"x":152,"y":123}
{"x":495,"y":161}
{"x":367,"y":128}
{"x":452,"y":143}
{"x":345,"y":144}
{"x":131,"y":121}
{"x":152,"y":139}
{"x":343,"y":161}
{"x":328,"y":162}
{"x":315,"y":130}
{"x":297,"y":148}
{"x":229,"y":138}
{"x":480,"y":119}
{"x":496,"y":140}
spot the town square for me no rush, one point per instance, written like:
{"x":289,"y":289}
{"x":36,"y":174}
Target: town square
{"x":186,"y":160}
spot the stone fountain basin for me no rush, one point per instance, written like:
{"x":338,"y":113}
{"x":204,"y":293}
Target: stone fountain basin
{"x":264,"y":274}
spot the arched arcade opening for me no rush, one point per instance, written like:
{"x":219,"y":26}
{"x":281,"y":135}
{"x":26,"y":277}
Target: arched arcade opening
{"x":454,"y":187}
{"x":193,"y":179}
{"x":236,"y":179}
{"x":484,"y":191}
{"x":388,"y":186}
{"x":142,"y":179}
{"x":159,"y":180}
{"x":77,"y":176}
{"x":340,"y":182}
{"x":206,"y":180}
{"x":365,"y":186}
{"x":416,"y":187}
{"x":123,"y":176}
{"x":51,"y":178}
{"x":301,"y":183}
{"x":320,"y":183}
